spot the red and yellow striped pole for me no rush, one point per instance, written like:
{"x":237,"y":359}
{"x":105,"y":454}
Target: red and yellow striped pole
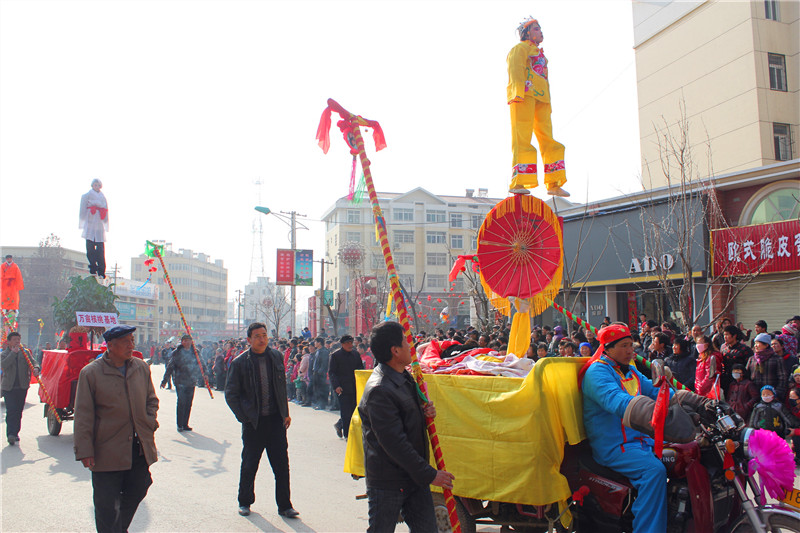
{"x":157,"y":253}
{"x":354,"y":121}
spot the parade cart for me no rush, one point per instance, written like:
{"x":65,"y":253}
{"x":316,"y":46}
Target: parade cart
{"x":59,"y":375}
{"x":517,"y":448}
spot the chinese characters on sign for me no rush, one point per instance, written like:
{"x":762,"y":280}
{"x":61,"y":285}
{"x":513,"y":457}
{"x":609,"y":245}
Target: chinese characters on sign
{"x":285,"y":268}
{"x":96,"y":320}
{"x":762,"y":248}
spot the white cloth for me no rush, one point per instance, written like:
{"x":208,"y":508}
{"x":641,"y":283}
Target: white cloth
{"x":94,"y":227}
{"x":512,"y":366}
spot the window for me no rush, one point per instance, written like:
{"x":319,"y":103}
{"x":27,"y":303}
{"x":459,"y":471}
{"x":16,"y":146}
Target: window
{"x":782,"y":137}
{"x":403,"y":258}
{"x":777,"y":72}
{"x":353,"y":236}
{"x":474,"y":244}
{"x":774,"y":203}
{"x":456,"y":241}
{"x":477,"y":220}
{"x":403,"y":236}
{"x":407,"y":280}
{"x":434,"y":216}
{"x":436,"y":237}
{"x":771,"y":9}
{"x":436,"y":259}
{"x":458,"y":286}
{"x":456,"y":219}
{"x":353,"y":216}
{"x":403,"y":215}
{"x":437,"y":282}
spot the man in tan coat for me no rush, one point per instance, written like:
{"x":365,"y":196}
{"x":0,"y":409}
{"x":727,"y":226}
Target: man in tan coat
{"x":115,"y":424}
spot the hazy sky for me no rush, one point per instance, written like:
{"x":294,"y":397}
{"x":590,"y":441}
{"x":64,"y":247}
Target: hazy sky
{"x":180,"y":106}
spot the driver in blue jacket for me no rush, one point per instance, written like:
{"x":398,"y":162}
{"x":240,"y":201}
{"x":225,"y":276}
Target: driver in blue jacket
{"x":618,"y":403}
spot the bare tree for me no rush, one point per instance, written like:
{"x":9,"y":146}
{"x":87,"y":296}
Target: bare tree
{"x":275,"y":307}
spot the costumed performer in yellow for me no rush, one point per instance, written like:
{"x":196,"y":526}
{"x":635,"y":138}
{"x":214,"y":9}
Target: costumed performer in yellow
{"x":529,"y":100}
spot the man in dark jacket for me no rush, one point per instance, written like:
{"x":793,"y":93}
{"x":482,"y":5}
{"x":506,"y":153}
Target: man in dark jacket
{"x":320,"y":374}
{"x":395,"y":440}
{"x":182,"y":369}
{"x":741,"y":394}
{"x":16,"y":363}
{"x":344,"y":363}
{"x":256,"y":393}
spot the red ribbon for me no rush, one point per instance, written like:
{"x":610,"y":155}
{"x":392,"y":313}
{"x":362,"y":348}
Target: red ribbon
{"x":103,"y":211}
{"x":660,"y":415}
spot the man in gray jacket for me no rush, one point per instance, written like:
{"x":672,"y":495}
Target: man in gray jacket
{"x":115,"y":424}
{"x":15,"y":383}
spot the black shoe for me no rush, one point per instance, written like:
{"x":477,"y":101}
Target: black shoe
{"x":289,"y":513}
{"x":244,"y":510}
{"x":11,"y":440}
{"x":187,"y":428}
{"x":338,"y":427}
{"x":180,"y":429}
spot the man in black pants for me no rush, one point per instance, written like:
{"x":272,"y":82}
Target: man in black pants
{"x":256,"y":393}
{"x":182,"y":368}
{"x":343,"y":365}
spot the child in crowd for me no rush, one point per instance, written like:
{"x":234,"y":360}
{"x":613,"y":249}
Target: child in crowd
{"x":771,"y":415}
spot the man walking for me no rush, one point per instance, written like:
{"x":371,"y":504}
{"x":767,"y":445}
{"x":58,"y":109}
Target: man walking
{"x":115,"y":424}
{"x":395,"y":440}
{"x":15,"y":383}
{"x":256,"y":393}
{"x":182,"y":369}
{"x":344,"y":363}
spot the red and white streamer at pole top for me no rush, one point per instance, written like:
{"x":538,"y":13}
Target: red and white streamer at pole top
{"x":762,"y":248}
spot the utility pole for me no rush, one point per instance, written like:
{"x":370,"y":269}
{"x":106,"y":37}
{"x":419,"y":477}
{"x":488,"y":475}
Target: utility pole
{"x":322,"y":263}
{"x":238,"y":311}
{"x":294,"y":288}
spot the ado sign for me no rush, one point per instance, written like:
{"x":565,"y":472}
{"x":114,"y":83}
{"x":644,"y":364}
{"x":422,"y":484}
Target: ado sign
{"x":650,"y":264}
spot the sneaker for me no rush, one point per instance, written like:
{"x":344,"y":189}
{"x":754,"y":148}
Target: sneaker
{"x":289,"y":513}
{"x":244,"y":510}
{"x":338,"y":427}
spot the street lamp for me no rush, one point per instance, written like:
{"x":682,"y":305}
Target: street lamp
{"x":291,"y":221}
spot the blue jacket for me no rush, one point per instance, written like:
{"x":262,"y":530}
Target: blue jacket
{"x":605,"y":399}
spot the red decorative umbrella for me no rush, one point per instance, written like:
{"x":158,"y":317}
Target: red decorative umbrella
{"x":520,"y":252}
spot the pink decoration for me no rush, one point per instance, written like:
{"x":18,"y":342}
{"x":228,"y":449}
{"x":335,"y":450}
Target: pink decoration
{"x":774,"y":462}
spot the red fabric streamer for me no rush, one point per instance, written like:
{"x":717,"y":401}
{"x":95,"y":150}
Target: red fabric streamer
{"x":324,"y":131}
{"x":660,"y":416}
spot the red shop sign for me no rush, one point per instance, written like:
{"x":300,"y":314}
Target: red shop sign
{"x":762,"y":248}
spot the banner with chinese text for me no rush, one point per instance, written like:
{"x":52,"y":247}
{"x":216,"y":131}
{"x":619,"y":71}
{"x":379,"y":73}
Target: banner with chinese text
{"x":96,"y":320}
{"x":762,"y":248}
{"x":285,"y":267}
{"x":303,"y":267}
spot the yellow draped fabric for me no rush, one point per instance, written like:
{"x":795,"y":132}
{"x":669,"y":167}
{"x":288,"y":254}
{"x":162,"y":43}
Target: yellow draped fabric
{"x":503,"y":437}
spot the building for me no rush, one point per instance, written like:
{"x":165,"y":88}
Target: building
{"x":733,"y":66}
{"x":201,"y":286}
{"x":266,"y":302}
{"x":426,"y":233}
{"x":723,"y":77}
{"x":137,"y":304}
{"x":46,"y":271}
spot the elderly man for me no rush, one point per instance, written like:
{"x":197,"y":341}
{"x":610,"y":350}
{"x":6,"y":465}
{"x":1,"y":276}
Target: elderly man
{"x":183,"y":370}
{"x":15,"y":383}
{"x":115,"y":424}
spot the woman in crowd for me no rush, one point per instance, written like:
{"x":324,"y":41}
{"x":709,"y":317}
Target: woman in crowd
{"x":766,"y":368}
{"x":708,"y":366}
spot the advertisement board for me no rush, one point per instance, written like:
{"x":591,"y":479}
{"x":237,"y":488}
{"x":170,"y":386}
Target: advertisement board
{"x":303,"y":267}
{"x":757,"y":249}
{"x":284,"y":274}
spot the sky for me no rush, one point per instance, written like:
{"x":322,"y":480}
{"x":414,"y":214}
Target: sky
{"x":181,"y":106}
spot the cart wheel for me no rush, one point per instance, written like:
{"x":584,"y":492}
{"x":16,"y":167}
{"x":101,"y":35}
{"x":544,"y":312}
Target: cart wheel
{"x":443,"y":518}
{"x":53,"y":425}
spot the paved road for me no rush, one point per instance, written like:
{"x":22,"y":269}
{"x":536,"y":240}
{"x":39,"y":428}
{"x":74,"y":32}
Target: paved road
{"x":195,"y":480}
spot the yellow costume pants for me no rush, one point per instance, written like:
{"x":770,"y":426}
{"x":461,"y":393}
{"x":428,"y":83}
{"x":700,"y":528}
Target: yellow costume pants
{"x":529,"y":117}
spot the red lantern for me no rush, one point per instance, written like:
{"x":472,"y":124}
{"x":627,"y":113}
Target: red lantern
{"x":439,"y":300}
{"x":429,"y":297}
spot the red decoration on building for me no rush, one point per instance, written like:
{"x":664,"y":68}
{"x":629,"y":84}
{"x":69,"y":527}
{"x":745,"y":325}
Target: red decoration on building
{"x":762,"y":248}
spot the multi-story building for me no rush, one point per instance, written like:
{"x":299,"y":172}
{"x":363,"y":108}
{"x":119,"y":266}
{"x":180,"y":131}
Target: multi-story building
{"x":46,"y":271}
{"x":266,"y":302}
{"x":137,"y":304}
{"x":426,"y":233}
{"x":733,"y":67}
{"x":201,"y":286}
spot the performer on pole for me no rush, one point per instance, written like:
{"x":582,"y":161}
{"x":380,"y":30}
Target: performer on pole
{"x":529,"y":100}
{"x":93,"y":220}
{"x":10,"y":284}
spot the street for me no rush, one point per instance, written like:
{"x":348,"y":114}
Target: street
{"x":195,"y":480}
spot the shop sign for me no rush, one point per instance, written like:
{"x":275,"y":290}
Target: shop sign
{"x":650,"y":263}
{"x":95,"y":320}
{"x":285,"y":267}
{"x":758,"y":249}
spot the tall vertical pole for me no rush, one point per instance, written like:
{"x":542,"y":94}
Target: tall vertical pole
{"x":321,"y":292}
{"x":294,"y":249}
